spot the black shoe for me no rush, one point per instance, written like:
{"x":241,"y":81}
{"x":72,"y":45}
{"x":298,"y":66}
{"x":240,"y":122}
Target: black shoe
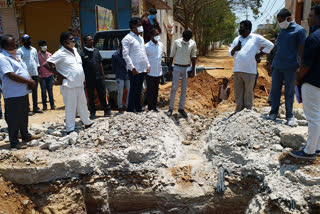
{"x":14,"y":145}
{"x":88,"y":126}
{"x":107,"y":113}
{"x":30,"y":113}
{"x":183,"y":113}
{"x":92,"y":116}
{"x":169,"y":113}
{"x":120,"y":111}
{"x":53,"y":107}
{"x":44,"y":108}
{"x":37,"y":111}
{"x":155,"y":110}
{"x":18,"y":145}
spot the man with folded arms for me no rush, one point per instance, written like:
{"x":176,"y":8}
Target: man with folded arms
{"x":16,"y":85}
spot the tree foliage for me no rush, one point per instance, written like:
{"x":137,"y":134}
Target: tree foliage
{"x":211,"y":20}
{"x":270,"y":29}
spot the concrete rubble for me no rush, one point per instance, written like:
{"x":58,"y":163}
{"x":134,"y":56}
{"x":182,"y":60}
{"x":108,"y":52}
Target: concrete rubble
{"x":150,"y":163}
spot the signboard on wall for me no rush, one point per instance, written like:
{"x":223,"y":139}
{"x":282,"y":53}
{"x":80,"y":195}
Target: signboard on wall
{"x":6,"y":3}
{"x":137,"y":8}
{"x":105,"y":19}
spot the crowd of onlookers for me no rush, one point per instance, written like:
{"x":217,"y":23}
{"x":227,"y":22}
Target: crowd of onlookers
{"x":139,"y":58}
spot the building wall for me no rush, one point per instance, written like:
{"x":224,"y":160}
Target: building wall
{"x":46,"y":20}
{"x":8,"y":21}
{"x":88,"y":14}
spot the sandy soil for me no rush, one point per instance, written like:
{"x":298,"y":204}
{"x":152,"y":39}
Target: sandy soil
{"x":15,"y":200}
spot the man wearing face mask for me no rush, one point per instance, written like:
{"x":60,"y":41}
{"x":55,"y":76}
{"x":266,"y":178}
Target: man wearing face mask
{"x":16,"y":85}
{"x":246,"y":52}
{"x":184,"y":52}
{"x":308,"y":78}
{"x":134,"y":53}
{"x":93,"y":70}
{"x":154,"y":49}
{"x":66,"y":63}
{"x":149,"y":21}
{"x":46,"y":77}
{"x":29,"y":56}
{"x":290,"y":44}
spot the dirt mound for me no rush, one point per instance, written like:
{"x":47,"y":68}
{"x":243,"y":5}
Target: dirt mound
{"x":202,"y":94}
{"x":12,"y":200}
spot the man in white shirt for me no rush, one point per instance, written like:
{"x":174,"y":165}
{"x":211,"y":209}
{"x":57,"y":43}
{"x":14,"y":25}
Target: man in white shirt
{"x":154,"y":49}
{"x":16,"y":85}
{"x":29,"y":56}
{"x":67,"y":64}
{"x":134,"y":53}
{"x":184,"y":52}
{"x":244,"y":49}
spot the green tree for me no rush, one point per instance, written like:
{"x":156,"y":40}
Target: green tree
{"x":271,"y":28}
{"x":187,"y":11}
{"x":216,"y":22}
{"x":211,"y":20}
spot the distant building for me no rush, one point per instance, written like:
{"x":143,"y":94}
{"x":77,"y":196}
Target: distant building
{"x":300,"y":10}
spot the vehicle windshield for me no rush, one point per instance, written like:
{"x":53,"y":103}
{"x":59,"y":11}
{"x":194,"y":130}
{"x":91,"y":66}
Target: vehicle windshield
{"x":109,"y":40}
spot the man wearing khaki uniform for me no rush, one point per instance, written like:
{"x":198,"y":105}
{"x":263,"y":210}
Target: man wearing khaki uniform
{"x":184,"y":52}
{"x":244,"y":49}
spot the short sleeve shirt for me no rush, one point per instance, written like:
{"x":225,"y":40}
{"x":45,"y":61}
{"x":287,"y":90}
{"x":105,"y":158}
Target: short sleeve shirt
{"x":288,"y":45}
{"x":182,"y":51}
{"x":12,"y":88}
{"x":311,"y":58}
{"x":43,"y":71}
{"x":69,"y":65}
{"x":91,"y":64}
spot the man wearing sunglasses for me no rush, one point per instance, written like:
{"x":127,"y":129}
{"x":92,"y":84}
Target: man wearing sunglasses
{"x":67,"y":64}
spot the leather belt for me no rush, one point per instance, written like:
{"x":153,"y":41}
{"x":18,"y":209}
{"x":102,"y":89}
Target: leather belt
{"x":181,"y":65}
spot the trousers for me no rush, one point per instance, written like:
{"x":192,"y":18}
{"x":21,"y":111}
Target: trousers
{"x":98,"y":85}
{"x":289,"y":77}
{"x":311,"y":107}
{"x":16,"y":115}
{"x":243,"y":90}
{"x":176,"y":74}
{"x":152,"y":91}
{"x":121,"y":84}
{"x":75,"y":102}
{"x":46,"y":84}
{"x":34,"y":94}
{"x":136,"y":85}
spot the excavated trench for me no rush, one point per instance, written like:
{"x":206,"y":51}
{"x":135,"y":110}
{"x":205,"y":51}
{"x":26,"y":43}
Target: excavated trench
{"x":138,"y":198}
{"x":229,"y":165}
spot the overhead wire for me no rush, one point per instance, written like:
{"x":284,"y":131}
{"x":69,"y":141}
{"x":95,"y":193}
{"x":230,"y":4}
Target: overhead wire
{"x":265,"y":9}
{"x":271,"y":9}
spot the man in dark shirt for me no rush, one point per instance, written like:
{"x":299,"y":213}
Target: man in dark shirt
{"x":119,"y":67}
{"x":149,"y":21}
{"x":285,"y":64}
{"x":93,"y":69}
{"x":309,"y":77}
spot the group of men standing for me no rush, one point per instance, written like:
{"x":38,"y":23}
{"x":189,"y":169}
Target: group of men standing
{"x":140,"y":58}
{"x":292,"y":48}
{"x":21,"y":70}
{"x":144,"y":56}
